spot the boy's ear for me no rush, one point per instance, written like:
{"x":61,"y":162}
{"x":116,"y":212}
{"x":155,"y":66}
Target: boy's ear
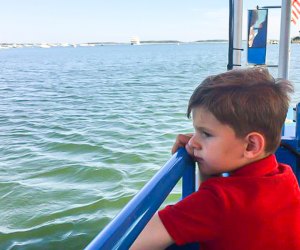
{"x":255,"y":145}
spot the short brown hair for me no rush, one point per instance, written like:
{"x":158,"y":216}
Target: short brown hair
{"x":247,"y":100}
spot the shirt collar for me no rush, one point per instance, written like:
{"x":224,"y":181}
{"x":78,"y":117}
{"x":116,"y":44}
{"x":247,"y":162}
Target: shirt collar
{"x":258,"y":168}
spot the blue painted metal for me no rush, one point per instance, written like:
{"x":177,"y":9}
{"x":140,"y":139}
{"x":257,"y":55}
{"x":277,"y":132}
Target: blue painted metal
{"x":297,"y":135}
{"x":124,"y":229}
{"x":287,"y":156}
{"x":188,"y":181}
{"x":298,"y":123}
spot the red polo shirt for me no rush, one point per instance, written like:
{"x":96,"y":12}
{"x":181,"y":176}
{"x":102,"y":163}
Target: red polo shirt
{"x":257,"y":207}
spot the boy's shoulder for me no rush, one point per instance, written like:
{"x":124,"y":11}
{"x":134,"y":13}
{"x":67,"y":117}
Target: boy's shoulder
{"x":257,"y":181}
{"x":265,"y":167}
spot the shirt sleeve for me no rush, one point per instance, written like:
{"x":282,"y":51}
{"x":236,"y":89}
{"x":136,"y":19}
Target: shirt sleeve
{"x":197,"y":218}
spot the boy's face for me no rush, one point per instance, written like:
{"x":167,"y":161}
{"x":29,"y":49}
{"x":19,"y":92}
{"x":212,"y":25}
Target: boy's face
{"x":215,"y":145}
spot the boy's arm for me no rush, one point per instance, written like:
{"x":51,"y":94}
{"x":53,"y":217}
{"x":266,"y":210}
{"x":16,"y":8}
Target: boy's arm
{"x":153,"y":237}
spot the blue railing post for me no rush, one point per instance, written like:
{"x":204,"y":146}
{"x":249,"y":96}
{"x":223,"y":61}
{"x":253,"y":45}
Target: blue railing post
{"x":289,"y":152}
{"x":297,"y":132}
{"x":188,"y":181}
{"x":298,"y":123}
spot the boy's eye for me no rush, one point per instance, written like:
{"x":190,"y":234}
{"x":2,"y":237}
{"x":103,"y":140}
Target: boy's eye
{"x":206,"y":134}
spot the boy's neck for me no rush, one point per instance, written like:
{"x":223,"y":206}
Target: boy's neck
{"x":258,"y":158}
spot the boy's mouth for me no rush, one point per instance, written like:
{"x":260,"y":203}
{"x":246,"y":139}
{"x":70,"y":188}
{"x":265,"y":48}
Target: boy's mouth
{"x":198,"y":159}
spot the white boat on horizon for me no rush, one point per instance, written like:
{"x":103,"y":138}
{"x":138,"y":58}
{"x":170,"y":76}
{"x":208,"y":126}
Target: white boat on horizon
{"x":44,"y":46}
{"x":135,"y":41}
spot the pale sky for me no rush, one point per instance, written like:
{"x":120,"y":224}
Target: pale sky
{"x":76,"y":21}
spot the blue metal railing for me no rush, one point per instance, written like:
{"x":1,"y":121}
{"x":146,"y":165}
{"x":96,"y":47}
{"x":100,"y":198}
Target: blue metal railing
{"x":287,"y":153}
{"x":121,"y":232}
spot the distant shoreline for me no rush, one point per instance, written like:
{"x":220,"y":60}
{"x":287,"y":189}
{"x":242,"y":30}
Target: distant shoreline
{"x":92,"y":44}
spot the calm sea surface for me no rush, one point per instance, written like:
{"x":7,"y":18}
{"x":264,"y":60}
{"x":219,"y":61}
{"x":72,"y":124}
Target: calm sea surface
{"x":83,"y":129}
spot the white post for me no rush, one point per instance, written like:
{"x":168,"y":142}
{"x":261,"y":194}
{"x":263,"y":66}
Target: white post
{"x":284,"y":42}
{"x":237,"y":27}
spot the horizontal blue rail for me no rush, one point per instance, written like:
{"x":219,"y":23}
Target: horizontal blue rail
{"x":121,"y":232}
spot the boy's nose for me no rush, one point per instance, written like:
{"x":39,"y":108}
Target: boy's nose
{"x":194,"y":142}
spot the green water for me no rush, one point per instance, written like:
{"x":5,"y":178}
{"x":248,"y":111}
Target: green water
{"x":83,"y":129}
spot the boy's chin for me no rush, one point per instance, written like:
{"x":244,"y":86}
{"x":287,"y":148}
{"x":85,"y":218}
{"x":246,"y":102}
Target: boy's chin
{"x":206,"y":170}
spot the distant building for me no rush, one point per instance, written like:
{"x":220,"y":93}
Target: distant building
{"x":272,"y":41}
{"x":135,"y":41}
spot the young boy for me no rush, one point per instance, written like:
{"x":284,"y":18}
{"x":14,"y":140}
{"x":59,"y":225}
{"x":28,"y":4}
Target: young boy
{"x":238,"y":117}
